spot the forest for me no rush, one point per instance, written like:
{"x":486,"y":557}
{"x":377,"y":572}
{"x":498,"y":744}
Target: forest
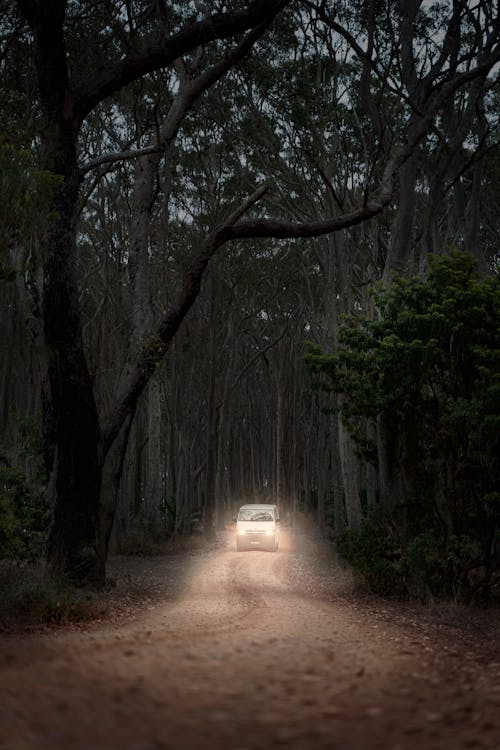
{"x":250,"y":252}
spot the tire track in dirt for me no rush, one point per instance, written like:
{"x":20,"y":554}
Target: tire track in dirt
{"x":245,"y":658}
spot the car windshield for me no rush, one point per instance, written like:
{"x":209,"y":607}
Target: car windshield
{"x":255,"y":515}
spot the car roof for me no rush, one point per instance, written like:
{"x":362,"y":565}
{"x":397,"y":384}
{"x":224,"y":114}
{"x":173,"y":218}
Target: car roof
{"x":251,"y":506}
{"x":260,"y":506}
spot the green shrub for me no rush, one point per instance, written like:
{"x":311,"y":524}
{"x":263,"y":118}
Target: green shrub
{"x":425,"y":377}
{"x":24,"y":515}
{"x":30,"y":598}
{"x":426,"y":558}
{"x":373,"y":552}
{"x":138,"y":542}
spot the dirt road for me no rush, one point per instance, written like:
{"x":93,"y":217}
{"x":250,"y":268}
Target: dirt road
{"x":249,"y":651}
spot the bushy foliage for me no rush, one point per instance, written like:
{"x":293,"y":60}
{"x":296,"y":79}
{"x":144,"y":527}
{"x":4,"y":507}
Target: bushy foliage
{"x":25,"y":194}
{"x":429,"y":366}
{"x":373,"y":552}
{"x":31,"y":598}
{"x":24,"y":515}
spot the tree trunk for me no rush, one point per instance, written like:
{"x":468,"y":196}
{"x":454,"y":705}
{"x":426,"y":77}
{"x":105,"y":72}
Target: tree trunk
{"x":350,"y":479}
{"x":71,"y":429}
{"x":209,"y":505}
{"x":152,"y":490}
{"x":388,"y":474}
{"x":321,"y":482}
{"x":399,"y":259}
{"x":279,"y":441}
{"x":70,"y":417}
{"x":110,"y":484}
{"x":337,"y":477}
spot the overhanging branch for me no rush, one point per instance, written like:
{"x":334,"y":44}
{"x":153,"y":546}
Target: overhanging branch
{"x":115,"y":156}
{"x":160,"y":53}
{"x":190,"y":91}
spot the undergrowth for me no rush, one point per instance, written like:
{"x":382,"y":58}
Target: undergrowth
{"x":29,"y":598}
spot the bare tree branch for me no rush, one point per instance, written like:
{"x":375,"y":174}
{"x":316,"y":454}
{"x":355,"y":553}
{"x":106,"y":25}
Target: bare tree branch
{"x":189,"y":93}
{"x":115,"y":156}
{"x":159,"y":53}
{"x":136,"y":372}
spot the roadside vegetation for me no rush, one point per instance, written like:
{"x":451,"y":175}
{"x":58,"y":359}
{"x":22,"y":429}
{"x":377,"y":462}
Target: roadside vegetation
{"x":426,"y":370}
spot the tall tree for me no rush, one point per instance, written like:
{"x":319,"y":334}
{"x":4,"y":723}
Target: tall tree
{"x":78,"y":445}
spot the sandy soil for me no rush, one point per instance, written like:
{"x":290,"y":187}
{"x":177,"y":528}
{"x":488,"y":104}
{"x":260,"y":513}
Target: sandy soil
{"x":250,"y":651}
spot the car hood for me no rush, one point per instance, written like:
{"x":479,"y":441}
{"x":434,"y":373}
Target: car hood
{"x":255,"y":525}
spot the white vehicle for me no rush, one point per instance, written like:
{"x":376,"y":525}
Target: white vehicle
{"x":258,"y":526}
